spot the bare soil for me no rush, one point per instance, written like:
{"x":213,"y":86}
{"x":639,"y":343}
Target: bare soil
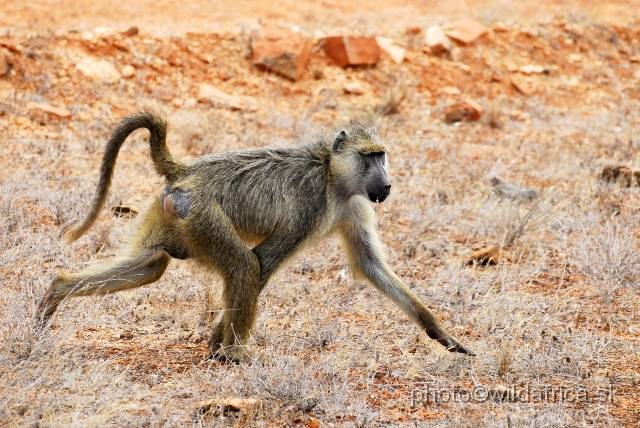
{"x":558,"y":316}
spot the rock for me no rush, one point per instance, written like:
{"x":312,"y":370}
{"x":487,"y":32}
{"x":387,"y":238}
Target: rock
{"x":280,"y":50}
{"x":499,"y":27}
{"x":467,"y":110}
{"x":465,"y":31}
{"x":531,"y":69}
{"x":388,"y":45}
{"x":4,"y":63}
{"x":98,"y":70}
{"x":167,"y":52}
{"x":352,"y":50}
{"x":60,"y":112}
{"x":486,"y":256}
{"x":624,"y":175}
{"x":353,"y":87}
{"x":208,"y":93}
{"x":437,"y":40}
{"x":509,"y":191}
{"x":575,"y":29}
{"x":128,"y":71}
{"x":450,"y":90}
{"x":132,"y":31}
{"x":522,"y":86}
{"x":227,"y":406}
{"x":314,"y":423}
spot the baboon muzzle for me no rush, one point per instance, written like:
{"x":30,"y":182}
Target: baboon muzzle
{"x":380,"y":194}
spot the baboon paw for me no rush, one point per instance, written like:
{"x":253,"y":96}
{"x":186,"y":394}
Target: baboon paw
{"x":235,"y":353}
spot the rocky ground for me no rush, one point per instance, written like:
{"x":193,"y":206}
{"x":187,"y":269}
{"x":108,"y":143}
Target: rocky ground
{"x":502,"y":120}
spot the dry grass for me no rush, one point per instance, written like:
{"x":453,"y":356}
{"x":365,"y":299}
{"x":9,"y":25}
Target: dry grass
{"x":559,"y":310}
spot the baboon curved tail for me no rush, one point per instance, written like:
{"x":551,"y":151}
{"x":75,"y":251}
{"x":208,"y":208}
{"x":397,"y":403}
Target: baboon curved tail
{"x":164,"y":162}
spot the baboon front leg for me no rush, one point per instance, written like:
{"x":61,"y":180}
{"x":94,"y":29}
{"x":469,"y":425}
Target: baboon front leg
{"x":365,"y":253}
{"x":121,"y":273}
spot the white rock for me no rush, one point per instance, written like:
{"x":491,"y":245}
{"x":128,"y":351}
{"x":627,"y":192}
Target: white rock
{"x":214,"y":95}
{"x":388,"y":45}
{"x":353,"y":87}
{"x":530,"y":69}
{"x":436,"y":40}
{"x":128,"y":71}
{"x":98,"y":70}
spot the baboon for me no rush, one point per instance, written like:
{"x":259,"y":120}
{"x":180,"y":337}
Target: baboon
{"x":243,"y":214}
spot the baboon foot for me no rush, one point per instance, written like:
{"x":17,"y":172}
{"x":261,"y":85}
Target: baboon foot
{"x":235,"y":353}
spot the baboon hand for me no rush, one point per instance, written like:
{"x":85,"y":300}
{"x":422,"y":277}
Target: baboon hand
{"x":453,"y":345}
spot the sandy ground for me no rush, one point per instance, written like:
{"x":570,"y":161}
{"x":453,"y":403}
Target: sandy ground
{"x":555,"y":323}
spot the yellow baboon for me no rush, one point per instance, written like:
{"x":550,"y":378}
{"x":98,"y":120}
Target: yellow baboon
{"x":285,"y":198}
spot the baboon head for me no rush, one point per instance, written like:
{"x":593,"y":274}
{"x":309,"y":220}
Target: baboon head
{"x":360,"y":163}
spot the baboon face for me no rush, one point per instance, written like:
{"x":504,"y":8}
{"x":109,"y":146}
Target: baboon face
{"x":362,"y":164}
{"x":377,"y":182}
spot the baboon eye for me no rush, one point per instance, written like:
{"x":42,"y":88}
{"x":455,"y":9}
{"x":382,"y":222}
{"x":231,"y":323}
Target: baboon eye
{"x":372,"y":158}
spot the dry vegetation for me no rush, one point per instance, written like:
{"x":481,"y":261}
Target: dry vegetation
{"x":560,"y":309}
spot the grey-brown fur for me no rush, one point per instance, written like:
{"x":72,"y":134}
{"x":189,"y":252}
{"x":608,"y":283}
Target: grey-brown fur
{"x":277,"y":199}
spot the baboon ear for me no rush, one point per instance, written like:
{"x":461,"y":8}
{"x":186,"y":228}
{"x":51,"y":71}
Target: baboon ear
{"x":339,"y":142}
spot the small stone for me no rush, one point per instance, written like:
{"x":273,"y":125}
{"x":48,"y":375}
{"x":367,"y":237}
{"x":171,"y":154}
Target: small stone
{"x":208,"y":93}
{"x":451,"y":90}
{"x":575,"y":57}
{"x":353,"y":87}
{"x":531,"y":69}
{"x":60,"y":112}
{"x":499,"y":27}
{"x":522,"y":86}
{"x":509,"y":191}
{"x":486,"y":256}
{"x":128,"y":71}
{"x":437,"y":40}
{"x":314,"y":423}
{"x":467,"y":110}
{"x":465,"y":31}
{"x":4,"y":63}
{"x":575,"y":29}
{"x":413,"y":31}
{"x":227,"y":406}
{"x":98,"y":70}
{"x":132,"y":31}
{"x":388,"y":45}
{"x":280,"y":50}
{"x":624,"y":175}
{"x":177,"y":102}
{"x":167,"y":52}
{"x":352,"y":50}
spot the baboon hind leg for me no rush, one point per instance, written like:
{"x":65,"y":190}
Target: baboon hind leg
{"x":134,"y":270}
{"x":215,"y":243}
